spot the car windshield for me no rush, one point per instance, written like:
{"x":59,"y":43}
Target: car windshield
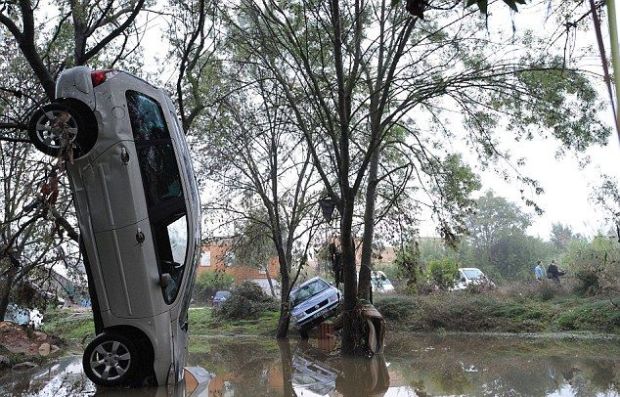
{"x":309,"y":290}
{"x":222,"y":294}
{"x":472,"y":274}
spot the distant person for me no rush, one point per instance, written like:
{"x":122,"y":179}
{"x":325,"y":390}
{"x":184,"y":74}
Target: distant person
{"x":539,"y":271}
{"x":554,"y":273}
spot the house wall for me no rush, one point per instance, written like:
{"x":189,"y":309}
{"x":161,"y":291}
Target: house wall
{"x":219,"y":257}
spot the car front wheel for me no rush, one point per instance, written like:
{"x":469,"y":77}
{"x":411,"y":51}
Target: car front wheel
{"x":111,"y":360}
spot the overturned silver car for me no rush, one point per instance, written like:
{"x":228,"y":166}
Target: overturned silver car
{"x":137,"y":206}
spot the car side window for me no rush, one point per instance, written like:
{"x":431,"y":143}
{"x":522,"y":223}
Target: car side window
{"x":147,"y":120}
{"x":162,"y":187}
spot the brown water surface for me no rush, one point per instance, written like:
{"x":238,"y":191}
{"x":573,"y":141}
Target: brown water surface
{"x":412,"y":365}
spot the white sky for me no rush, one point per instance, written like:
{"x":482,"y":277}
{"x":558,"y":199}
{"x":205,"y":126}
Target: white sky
{"x":567,"y":186}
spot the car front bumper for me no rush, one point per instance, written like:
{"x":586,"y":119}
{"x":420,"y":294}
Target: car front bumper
{"x":322,"y":313}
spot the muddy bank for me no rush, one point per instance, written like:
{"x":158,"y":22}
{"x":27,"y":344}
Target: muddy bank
{"x":22,"y":347}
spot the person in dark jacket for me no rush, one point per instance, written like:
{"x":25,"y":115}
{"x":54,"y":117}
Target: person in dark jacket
{"x":554,"y":273}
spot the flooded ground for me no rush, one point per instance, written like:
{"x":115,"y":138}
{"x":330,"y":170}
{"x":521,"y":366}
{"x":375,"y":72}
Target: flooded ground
{"x":412,"y":365}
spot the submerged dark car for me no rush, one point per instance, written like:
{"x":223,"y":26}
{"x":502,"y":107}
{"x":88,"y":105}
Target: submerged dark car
{"x":313,"y":301}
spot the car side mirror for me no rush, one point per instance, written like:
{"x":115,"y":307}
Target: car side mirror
{"x":173,"y":264}
{"x":463,"y":279}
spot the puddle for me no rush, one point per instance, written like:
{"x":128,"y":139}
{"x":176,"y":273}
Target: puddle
{"x":413,"y":365}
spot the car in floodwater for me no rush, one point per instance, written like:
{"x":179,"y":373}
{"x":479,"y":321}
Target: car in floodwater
{"x":313,"y":301}
{"x":137,"y":207}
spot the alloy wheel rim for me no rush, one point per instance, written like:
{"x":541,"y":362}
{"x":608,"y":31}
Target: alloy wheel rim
{"x":56,"y":128}
{"x":110,"y":360}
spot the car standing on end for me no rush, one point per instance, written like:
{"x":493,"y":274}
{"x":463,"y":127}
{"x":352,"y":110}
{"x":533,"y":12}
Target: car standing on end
{"x":137,"y":207}
{"x":313,"y":301}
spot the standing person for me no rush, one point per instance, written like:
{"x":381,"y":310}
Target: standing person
{"x":539,"y":271}
{"x":554,"y":273}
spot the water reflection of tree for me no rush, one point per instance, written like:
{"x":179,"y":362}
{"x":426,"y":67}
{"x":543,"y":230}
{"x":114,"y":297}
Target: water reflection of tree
{"x":452,"y":366}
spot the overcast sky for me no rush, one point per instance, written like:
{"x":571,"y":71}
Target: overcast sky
{"x":567,"y":187}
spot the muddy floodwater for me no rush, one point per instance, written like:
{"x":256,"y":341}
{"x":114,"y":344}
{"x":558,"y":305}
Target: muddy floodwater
{"x":412,"y":365}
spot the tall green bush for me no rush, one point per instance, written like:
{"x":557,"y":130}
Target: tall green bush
{"x":595,"y":265}
{"x":443,"y":272}
{"x":208,"y":283}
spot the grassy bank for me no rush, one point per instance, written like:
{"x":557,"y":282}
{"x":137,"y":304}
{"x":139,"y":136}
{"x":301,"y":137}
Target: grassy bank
{"x":202,"y":322}
{"x":527,"y":311}
{"x":495,"y":312}
{"x":79,"y":327}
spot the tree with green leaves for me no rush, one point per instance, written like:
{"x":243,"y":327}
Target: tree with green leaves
{"x":351,"y":72}
{"x":264,"y":176}
{"x":562,"y":235}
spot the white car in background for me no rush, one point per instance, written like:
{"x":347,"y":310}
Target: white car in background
{"x":380,"y":283}
{"x":137,"y":207}
{"x":471,"y":276}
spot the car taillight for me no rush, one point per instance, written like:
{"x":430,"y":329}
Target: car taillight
{"x":97,"y":77}
{"x":100,"y":76}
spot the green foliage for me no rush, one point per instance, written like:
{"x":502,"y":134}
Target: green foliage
{"x":248,"y":301}
{"x":498,"y":311}
{"x":208,"y":283}
{"x":498,"y":243}
{"x":600,"y":315}
{"x":443,"y":272}
{"x":407,"y":262}
{"x":562,"y":235}
{"x":595,"y":264}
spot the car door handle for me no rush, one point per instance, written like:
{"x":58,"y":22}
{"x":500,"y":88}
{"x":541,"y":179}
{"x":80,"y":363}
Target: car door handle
{"x":139,"y":236}
{"x":124,"y":156}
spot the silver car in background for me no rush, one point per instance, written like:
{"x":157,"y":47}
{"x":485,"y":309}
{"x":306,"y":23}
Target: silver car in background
{"x":137,"y":207}
{"x":313,"y":301}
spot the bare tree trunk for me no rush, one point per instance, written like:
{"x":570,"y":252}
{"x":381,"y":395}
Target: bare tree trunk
{"x":285,"y":310}
{"x":349,"y":340}
{"x":273,"y":291}
{"x":5,"y":293}
{"x":364,"y":288}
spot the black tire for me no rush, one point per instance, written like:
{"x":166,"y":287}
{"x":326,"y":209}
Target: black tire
{"x":112,"y":359}
{"x":48,"y":138}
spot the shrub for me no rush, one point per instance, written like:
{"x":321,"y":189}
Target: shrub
{"x":396,"y":308}
{"x":443,"y":272}
{"x":251,"y":291}
{"x":595,"y":265}
{"x":208,"y":283}
{"x":247,"y":302}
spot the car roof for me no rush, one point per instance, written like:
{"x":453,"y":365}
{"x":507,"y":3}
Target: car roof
{"x":313,"y":279}
{"x":470,"y":268}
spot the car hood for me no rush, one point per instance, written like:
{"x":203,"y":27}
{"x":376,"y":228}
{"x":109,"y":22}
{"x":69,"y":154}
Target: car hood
{"x":314,"y":300}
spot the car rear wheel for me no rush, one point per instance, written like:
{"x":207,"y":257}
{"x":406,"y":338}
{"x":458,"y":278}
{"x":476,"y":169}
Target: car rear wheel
{"x":111,"y":360}
{"x":57,"y":127}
